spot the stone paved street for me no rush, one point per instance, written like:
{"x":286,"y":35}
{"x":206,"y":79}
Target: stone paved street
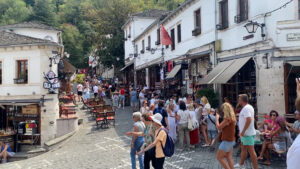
{"x":109,"y":149}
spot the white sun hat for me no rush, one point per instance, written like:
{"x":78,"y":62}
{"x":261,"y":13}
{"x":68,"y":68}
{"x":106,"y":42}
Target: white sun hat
{"x":157,"y":118}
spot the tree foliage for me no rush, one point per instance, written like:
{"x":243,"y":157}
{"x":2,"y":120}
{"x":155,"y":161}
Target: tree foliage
{"x":86,"y":24}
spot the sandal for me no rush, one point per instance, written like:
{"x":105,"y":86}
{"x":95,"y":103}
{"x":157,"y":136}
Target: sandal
{"x":265,"y":163}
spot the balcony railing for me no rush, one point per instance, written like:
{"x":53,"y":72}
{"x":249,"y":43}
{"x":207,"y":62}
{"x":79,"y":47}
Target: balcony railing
{"x":20,"y":80}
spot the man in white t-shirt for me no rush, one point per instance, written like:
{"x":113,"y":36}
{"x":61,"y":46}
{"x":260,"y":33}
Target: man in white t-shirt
{"x":95,"y":90}
{"x":247,"y":132}
{"x":142,"y":97}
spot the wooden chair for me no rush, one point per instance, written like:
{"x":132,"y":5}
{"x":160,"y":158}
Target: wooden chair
{"x":100,"y":119}
{"x":108,"y":108}
{"x":111,"y":117}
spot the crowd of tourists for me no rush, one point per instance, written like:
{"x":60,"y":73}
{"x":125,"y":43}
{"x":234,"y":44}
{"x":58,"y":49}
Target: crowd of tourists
{"x":192,"y":123}
{"x":96,"y":88}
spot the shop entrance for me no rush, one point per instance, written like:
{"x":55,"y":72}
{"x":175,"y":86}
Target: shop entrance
{"x":20,"y":125}
{"x":243,"y":82}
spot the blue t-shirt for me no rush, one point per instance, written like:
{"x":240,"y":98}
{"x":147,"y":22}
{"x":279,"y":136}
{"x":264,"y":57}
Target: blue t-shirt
{"x":163,"y":113}
{"x":8,"y":148}
{"x":211,"y":124}
{"x":133,"y":96}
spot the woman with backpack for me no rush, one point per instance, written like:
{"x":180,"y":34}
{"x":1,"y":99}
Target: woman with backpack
{"x":159,"y":141}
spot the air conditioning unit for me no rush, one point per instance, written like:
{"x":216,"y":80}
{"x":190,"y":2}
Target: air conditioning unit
{"x":237,"y":19}
{"x":196,"y":32}
{"x":148,"y":48}
{"x":142,"y":51}
{"x":157,"y":43}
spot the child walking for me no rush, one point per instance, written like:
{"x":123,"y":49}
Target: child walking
{"x":211,"y":128}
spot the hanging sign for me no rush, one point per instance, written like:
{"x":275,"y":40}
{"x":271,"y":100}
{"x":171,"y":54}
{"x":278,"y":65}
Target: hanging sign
{"x":51,"y":82}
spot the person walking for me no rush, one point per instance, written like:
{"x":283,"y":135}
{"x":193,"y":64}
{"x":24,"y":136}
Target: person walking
{"x":211,"y":128}
{"x":95,"y":91}
{"x":148,"y":133}
{"x":225,"y":151}
{"x":205,"y":111}
{"x":79,"y":91}
{"x":144,"y":109}
{"x":172,"y":121}
{"x":159,"y":141}
{"x":247,"y":132}
{"x":122,"y":98}
{"x":163,"y":113}
{"x":133,"y":99}
{"x":194,"y":134}
{"x":137,"y":141}
{"x":183,"y":131}
{"x":142,"y":97}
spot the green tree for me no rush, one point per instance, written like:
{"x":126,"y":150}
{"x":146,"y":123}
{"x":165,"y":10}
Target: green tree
{"x":73,"y":42}
{"x":109,"y":21}
{"x":43,"y":11}
{"x":13,"y":11}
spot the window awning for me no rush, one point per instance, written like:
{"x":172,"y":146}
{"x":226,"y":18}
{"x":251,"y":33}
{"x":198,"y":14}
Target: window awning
{"x":174,"y":72}
{"x":126,"y":66}
{"x":294,"y":63}
{"x":224,"y":71}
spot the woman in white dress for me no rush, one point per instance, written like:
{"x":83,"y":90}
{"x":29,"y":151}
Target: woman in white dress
{"x":172,"y":121}
{"x":144,"y":108}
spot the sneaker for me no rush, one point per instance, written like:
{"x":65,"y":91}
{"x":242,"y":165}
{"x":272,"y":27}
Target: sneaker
{"x":205,"y":145}
{"x":238,"y":166}
{"x":4,"y":161}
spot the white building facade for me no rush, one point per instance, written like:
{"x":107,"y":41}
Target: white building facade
{"x":211,"y":37}
{"x":25,"y":50}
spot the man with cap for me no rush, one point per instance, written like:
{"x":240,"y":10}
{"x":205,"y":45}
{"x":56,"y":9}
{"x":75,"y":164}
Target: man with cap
{"x":159,"y":141}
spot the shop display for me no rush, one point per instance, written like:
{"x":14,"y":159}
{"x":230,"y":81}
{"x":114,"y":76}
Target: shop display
{"x":20,"y":123}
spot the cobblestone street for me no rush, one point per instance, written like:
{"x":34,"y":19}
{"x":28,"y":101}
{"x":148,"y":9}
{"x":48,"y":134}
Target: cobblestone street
{"x":109,"y":149}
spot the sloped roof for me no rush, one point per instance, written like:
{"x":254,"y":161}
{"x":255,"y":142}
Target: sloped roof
{"x":12,"y":39}
{"x":152,"y":13}
{"x":33,"y":24}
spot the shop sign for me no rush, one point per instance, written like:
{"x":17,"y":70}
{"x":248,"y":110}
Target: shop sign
{"x":293,"y":37}
{"x":51,"y":82}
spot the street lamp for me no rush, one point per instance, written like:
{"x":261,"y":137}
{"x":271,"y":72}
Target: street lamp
{"x":252,"y":27}
{"x":55,"y":58}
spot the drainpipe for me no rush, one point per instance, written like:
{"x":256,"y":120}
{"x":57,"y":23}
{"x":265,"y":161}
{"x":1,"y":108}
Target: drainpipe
{"x":216,"y":88}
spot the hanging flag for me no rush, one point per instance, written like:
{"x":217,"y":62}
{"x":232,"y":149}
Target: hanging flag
{"x":165,"y":38}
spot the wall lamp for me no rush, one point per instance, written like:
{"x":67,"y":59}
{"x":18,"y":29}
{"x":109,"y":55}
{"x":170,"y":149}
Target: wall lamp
{"x":252,"y":27}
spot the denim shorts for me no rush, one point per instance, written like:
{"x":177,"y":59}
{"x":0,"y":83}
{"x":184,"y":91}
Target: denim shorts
{"x":122,"y":97}
{"x":212,"y":134}
{"x":226,"y":146}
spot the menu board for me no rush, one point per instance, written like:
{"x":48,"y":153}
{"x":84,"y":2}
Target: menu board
{"x":30,"y":109}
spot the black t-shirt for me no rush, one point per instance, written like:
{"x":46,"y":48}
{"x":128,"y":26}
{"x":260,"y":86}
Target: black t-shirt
{"x":163,"y":113}
{"x":113,"y":89}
